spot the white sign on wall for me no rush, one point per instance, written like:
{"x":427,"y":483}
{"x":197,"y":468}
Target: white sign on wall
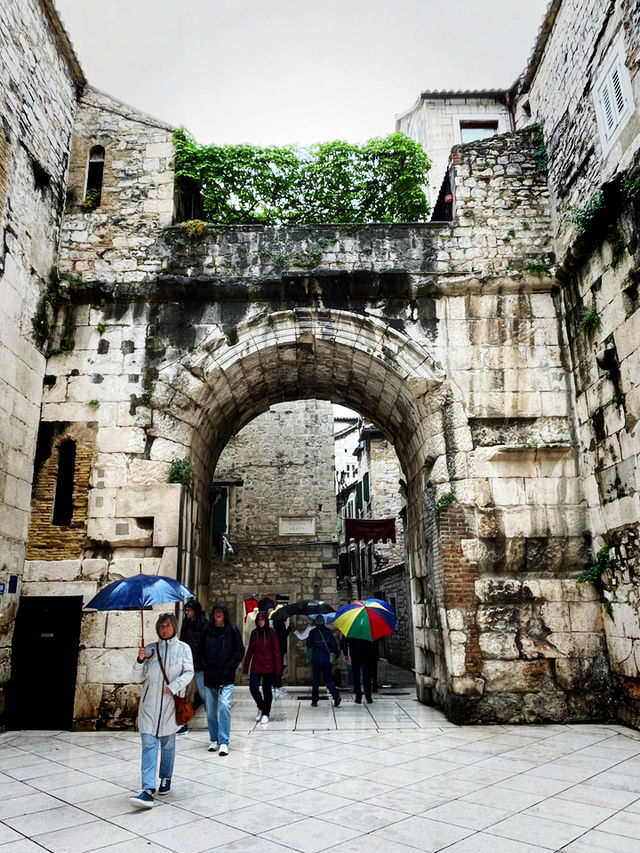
{"x":301,"y":526}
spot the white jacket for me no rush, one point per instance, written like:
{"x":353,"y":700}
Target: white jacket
{"x":156,"y":714}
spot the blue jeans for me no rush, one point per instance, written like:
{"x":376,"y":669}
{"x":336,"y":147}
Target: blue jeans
{"x":217,"y":704}
{"x":318,"y":671}
{"x":150,"y":744}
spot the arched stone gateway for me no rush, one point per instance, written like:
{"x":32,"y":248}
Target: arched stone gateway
{"x":168,"y":340}
{"x":456,"y":380}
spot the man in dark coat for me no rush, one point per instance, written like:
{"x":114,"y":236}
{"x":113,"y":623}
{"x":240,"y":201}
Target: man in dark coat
{"x":221,"y":652}
{"x":193,"y":626}
{"x":324,"y":651}
{"x":362,"y":655}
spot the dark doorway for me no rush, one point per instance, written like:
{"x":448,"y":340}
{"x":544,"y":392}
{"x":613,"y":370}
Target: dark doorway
{"x":44,"y":663}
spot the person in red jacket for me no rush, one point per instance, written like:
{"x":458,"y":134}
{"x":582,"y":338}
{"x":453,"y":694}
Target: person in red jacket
{"x":263,"y":663}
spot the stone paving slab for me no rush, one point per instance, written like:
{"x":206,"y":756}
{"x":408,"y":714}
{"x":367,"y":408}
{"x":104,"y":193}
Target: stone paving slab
{"x":391,"y":776}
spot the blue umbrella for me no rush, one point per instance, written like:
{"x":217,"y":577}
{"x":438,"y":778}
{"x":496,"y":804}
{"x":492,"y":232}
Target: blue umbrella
{"x":137,"y":592}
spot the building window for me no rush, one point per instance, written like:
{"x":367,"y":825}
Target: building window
{"x":220,"y":509}
{"x":365,"y":487}
{"x":470,"y":131}
{"x":63,"y":501}
{"x":95,"y":173}
{"x":613,"y":96}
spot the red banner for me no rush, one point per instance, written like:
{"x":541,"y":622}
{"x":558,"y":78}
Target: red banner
{"x":370,"y":529}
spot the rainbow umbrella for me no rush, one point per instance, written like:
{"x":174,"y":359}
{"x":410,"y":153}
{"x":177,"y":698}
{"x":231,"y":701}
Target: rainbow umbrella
{"x":366,"y":620}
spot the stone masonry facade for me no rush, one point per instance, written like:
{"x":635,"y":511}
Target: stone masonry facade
{"x":463,"y":341}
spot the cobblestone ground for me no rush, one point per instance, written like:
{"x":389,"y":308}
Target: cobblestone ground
{"x":391,"y":776}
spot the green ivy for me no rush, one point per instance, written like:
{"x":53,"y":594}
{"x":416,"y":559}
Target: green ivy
{"x":181,"y":471}
{"x":443,"y":502}
{"x":593,"y":574}
{"x":590,"y":322}
{"x":540,"y":149}
{"x":333,"y":182}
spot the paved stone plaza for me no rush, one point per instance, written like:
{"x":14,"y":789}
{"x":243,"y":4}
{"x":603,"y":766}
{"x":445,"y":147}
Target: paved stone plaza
{"x":392,"y":776}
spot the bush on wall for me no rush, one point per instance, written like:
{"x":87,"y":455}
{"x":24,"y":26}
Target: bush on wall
{"x":333,"y":182}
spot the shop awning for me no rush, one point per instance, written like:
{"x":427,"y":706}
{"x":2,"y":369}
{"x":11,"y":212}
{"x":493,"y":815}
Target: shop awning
{"x":370,"y":529}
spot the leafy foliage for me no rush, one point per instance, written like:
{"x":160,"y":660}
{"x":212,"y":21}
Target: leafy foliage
{"x":333,"y":182}
{"x":443,"y":502}
{"x":593,"y":574}
{"x":181,"y":471}
{"x":590,"y":322}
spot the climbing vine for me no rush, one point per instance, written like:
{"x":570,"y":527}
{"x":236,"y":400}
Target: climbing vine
{"x":443,"y":502}
{"x":333,"y":182}
{"x":181,"y":471}
{"x":593,"y":574}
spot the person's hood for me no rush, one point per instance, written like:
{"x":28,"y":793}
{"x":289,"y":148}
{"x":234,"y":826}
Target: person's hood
{"x":195,"y":605}
{"x":224,"y":609}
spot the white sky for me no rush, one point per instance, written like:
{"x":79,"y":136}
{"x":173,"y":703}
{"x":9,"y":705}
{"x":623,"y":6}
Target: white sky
{"x":295,"y":71}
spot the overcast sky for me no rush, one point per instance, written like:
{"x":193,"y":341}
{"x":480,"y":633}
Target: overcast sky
{"x":295,"y":71}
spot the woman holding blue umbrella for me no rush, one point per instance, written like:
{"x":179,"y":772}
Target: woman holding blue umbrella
{"x":166,"y":668}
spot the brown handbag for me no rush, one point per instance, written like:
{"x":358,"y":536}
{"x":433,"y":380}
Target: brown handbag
{"x":183,"y":707}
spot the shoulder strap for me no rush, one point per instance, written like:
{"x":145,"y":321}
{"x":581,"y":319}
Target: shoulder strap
{"x":162,"y":665}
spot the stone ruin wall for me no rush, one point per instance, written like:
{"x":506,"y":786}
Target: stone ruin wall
{"x":38,"y":80}
{"x":605,"y":365}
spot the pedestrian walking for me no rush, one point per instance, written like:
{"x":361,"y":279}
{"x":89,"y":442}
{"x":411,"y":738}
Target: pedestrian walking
{"x":262,"y":663}
{"x":362,"y":655}
{"x":283,"y":639}
{"x":221,"y":652}
{"x":193,"y":626}
{"x":324,"y":651}
{"x":167,"y":660}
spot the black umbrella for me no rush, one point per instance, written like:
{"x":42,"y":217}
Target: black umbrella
{"x":308,"y":607}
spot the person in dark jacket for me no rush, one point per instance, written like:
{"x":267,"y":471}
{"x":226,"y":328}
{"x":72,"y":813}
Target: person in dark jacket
{"x":221,"y":651}
{"x":324,"y":651}
{"x":193,"y":626}
{"x":283,"y":638}
{"x":362,"y":654}
{"x":263,"y":663}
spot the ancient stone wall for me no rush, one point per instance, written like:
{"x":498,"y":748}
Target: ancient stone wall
{"x":561,"y":93}
{"x":39,"y":77}
{"x":598,"y":271}
{"x":118,"y":237}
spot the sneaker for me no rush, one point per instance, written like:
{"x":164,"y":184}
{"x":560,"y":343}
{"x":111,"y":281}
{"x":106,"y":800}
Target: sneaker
{"x":224,"y":749}
{"x":264,"y":719}
{"x":183,"y":730}
{"x":213,"y":746}
{"x":143,"y":800}
{"x":258,"y":716}
{"x":165,"y":786}
{"x":337,"y":700}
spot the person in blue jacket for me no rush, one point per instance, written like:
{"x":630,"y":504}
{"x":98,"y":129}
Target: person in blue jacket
{"x":324,"y":651}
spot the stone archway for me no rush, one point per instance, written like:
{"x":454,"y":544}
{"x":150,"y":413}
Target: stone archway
{"x":359,"y":361}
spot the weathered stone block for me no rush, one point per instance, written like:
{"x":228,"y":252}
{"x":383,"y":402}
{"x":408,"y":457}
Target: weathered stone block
{"x":54,"y":570}
{"x":500,"y":646}
{"x":516,"y":676}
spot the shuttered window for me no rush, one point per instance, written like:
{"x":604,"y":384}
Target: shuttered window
{"x":613,"y":97}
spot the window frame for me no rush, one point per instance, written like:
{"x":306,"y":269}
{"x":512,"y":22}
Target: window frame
{"x":604,"y":95}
